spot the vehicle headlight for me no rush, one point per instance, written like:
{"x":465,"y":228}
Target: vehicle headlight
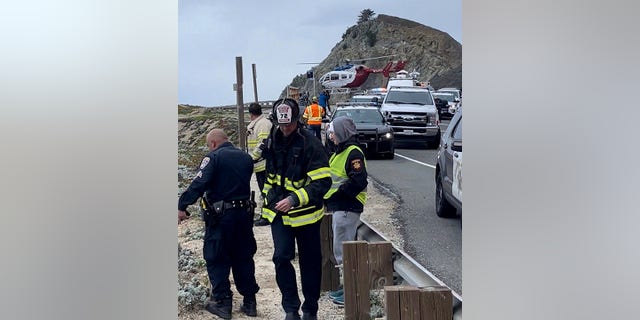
{"x":388,"y":135}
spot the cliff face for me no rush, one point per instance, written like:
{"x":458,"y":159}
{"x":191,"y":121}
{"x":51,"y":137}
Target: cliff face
{"x":431,"y":52}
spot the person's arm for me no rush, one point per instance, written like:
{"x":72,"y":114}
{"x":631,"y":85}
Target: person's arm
{"x":357,"y":173}
{"x":320,"y":174}
{"x":199,"y":184}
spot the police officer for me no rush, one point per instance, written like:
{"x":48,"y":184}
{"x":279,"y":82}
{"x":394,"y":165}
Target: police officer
{"x":229,"y":243}
{"x":298,"y":176}
{"x":348,"y":192}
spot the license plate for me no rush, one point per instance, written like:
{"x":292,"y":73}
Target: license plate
{"x":408,"y":131}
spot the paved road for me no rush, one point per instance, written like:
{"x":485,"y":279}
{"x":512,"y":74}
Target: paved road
{"x":434,"y":242}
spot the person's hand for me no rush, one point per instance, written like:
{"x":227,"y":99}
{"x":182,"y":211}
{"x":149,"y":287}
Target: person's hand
{"x":182,"y":215}
{"x":284,"y":205}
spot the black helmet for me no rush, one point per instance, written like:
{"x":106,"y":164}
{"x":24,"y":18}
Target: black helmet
{"x":285,"y":111}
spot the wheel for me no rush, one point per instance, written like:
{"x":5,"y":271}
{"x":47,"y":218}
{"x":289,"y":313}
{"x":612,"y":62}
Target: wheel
{"x":436,"y":141}
{"x":391,"y":154}
{"x":444,"y":209}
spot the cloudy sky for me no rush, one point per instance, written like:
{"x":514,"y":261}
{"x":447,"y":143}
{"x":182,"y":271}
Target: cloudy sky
{"x":276,"y":35}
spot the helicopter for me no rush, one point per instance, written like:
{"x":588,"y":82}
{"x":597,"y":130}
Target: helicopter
{"x":352,"y":75}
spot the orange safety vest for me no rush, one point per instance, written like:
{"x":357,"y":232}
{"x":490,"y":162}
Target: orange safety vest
{"x":314,"y":113}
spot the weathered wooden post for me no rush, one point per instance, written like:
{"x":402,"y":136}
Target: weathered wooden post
{"x":242,"y":130}
{"x":330,"y":274}
{"x":435,"y":303}
{"x":356,"y":280}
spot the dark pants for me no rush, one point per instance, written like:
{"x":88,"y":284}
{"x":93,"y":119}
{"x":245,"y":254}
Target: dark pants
{"x":315,"y":129}
{"x":261,"y":177}
{"x":307,"y":238}
{"x":230,"y":245}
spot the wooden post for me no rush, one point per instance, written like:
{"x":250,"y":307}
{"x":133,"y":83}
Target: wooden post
{"x":410,"y":303}
{"x":330,"y":274}
{"x":392,"y":302}
{"x":356,"y":280}
{"x":242,"y":130}
{"x":380,"y":265}
{"x":436,"y":303}
{"x":255,"y":88}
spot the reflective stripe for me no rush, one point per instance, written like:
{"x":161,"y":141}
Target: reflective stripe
{"x":323,"y":172}
{"x":304,"y":213}
{"x":339,"y":174}
{"x":314,"y":114}
{"x":293,"y":220}
{"x":303,"y":220}
{"x":302,"y":195}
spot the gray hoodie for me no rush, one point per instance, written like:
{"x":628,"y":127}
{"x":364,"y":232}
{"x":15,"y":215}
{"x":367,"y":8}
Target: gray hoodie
{"x":343,"y":128}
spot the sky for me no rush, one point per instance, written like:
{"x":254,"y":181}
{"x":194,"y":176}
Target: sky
{"x":276,"y":36}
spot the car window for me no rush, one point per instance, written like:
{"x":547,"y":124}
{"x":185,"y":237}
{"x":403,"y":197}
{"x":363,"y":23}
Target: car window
{"x":362,"y":115}
{"x":416,"y":97}
{"x":457,"y":131}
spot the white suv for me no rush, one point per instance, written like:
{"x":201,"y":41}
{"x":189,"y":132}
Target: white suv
{"x":412,"y":113}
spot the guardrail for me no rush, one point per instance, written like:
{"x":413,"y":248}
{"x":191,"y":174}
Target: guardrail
{"x":264,"y":104}
{"x":408,"y":270}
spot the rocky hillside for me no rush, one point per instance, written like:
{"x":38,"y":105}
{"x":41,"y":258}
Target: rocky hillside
{"x":433,"y":53}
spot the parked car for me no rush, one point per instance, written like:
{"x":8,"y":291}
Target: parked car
{"x":445,"y":101}
{"x":374,"y":133}
{"x":455,"y":91}
{"x":448,"y":174}
{"x":367,"y":99}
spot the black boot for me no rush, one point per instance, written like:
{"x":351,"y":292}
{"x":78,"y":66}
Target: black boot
{"x":248,"y":306}
{"x":261,"y":222}
{"x":221,"y":308}
{"x":292,"y":316}
{"x":309,"y":316}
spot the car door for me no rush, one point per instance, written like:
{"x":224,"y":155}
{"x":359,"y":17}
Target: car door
{"x":453,"y":158}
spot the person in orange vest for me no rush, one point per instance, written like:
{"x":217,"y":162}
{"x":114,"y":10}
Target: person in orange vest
{"x":313,"y":115}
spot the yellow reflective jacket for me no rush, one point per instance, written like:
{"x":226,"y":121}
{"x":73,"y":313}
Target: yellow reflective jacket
{"x":257,"y":130}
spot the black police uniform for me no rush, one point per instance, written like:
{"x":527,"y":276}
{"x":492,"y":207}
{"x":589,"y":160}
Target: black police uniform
{"x":225,"y":174}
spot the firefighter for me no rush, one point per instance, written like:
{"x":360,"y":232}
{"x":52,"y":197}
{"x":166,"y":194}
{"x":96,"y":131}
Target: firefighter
{"x":257,"y":131}
{"x":298,"y":176}
{"x":223,"y":182}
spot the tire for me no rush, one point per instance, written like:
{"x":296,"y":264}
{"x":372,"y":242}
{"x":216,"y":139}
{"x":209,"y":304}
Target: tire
{"x":444,"y":209}
{"x":436,"y":141}
{"x":392,"y":153}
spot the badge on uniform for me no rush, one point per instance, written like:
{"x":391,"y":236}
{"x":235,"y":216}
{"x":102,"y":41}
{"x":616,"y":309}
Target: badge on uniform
{"x":356,"y":164}
{"x":204,"y":162}
{"x":283,"y":112}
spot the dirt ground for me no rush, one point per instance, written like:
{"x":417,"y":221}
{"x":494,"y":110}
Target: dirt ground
{"x":377,"y":212}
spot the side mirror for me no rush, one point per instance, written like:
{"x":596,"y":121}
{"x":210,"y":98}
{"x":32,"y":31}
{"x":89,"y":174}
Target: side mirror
{"x":456,"y":100}
{"x":456,"y":145}
{"x":325,"y":120}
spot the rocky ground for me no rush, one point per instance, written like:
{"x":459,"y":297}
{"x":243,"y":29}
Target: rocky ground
{"x":193,"y":284}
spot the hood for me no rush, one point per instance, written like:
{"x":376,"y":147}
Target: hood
{"x":343,"y":128}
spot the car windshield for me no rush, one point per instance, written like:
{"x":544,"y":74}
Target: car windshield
{"x":406,"y":97}
{"x":362,"y":115}
{"x":455,"y":93}
{"x":362,"y":99}
{"x":444,"y":96}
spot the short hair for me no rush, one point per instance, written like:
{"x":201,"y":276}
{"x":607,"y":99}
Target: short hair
{"x":255,"y":109}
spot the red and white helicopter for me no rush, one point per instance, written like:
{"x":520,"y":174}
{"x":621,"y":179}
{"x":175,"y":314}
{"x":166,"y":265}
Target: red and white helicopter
{"x":354,"y":75}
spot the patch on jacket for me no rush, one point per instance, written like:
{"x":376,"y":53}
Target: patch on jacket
{"x":356,"y":164}
{"x":204,"y":162}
